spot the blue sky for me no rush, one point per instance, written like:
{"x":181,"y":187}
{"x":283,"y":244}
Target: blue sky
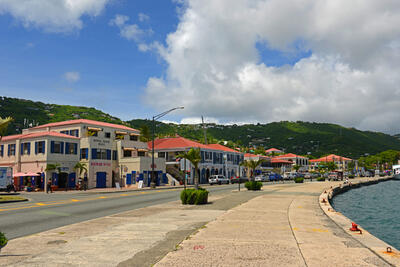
{"x":230,"y":61}
{"x":112,"y":70}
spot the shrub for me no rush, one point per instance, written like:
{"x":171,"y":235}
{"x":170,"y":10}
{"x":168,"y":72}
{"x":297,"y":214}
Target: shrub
{"x":253,"y":185}
{"x":299,"y":180}
{"x":194,"y":197}
{"x":351,"y":176}
{"x":321,"y":179}
{"x":3,"y":240}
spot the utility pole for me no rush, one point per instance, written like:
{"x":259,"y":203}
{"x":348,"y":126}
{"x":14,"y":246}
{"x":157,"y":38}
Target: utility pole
{"x":205,"y":131}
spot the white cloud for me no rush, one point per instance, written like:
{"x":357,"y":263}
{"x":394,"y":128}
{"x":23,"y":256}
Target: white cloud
{"x":143,"y":17}
{"x":72,"y":76}
{"x":52,"y":15}
{"x":131,"y":32}
{"x":351,"y":78}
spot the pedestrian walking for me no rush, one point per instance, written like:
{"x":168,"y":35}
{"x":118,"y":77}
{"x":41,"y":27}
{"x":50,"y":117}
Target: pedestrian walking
{"x":49,"y":187}
{"x":85,"y":182}
{"x":80,"y":183}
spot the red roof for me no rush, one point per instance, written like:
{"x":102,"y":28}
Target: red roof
{"x":33,"y":135}
{"x":249,"y":155}
{"x":272,"y":150}
{"x":275,"y":160}
{"x":223,"y":148}
{"x":289,"y":155}
{"x":97,"y":123}
{"x":331,"y":157}
{"x":175,"y":142}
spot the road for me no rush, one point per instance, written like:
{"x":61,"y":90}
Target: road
{"x":49,"y":211}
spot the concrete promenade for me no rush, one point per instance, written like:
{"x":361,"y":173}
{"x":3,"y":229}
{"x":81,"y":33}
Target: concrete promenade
{"x":283,"y":225}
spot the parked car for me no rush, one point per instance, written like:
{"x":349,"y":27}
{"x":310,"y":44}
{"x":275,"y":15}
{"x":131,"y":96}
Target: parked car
{"x":275,"y":177}
{"x":260,"y":178}
{"x":218,"y":179}
{"x":289,"y":176}
{"x":239,"y":180}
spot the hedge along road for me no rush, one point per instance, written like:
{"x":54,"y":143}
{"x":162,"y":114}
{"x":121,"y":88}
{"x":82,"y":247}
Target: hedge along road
{"x":47,"y":212}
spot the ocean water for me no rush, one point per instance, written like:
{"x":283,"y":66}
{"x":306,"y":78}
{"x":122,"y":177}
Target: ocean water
{"x":375,"y":207}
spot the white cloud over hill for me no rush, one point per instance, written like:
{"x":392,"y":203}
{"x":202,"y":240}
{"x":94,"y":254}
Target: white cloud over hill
{"x":352,"y":77}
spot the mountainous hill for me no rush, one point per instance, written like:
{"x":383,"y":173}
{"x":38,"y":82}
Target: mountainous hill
{"x":298,"y":137}
{"x":28,"y":113}
{"x":315,"y":139}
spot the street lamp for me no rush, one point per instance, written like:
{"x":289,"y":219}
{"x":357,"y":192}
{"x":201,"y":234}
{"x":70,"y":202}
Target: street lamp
{"x":156,"y":117}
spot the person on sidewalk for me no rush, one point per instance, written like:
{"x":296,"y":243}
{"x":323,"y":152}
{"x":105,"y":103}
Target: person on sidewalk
{"x":85,"y":182}
{"x":49,"y":187}
{"x":80,"y":183}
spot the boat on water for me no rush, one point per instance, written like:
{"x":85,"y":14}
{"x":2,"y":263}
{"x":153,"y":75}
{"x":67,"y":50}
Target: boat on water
{"x":396,"y":172}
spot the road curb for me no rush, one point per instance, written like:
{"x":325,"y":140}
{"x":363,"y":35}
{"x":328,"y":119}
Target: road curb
{"x":366,"y":239}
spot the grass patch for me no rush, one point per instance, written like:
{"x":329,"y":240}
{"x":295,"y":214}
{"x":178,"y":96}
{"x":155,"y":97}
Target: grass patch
{"x":11,"y":198}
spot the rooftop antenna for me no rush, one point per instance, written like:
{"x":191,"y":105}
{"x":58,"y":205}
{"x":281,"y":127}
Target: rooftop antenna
{"x":205,"y":130}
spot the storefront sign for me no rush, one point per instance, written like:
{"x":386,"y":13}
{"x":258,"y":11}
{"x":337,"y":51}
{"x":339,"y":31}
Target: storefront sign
{"x":100,"y":142}
{"x":100,"y":164}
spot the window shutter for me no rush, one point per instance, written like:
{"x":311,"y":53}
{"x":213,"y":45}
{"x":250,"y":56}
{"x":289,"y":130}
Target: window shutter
{"x":22,"y":148}
{"x":52,"y":146}
{"x":9,"y":148}
{"x":87,"y":153}
{"x":66,"y":148}
{"x":62,"y":147}
{"x":94,"y":153}
{"x":75,"y":149}
{"x":108,"y":154}
{"x":36,"y":147}
{"x":2,"y":150}
{"x":77,"y":133}
{"x":44,"y":147}
{"x":29,"y":148}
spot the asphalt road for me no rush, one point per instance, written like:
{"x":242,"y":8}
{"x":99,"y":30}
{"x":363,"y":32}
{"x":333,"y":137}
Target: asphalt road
{"x":49,"y":211}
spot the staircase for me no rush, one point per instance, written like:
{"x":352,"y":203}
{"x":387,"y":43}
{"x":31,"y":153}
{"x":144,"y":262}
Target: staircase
{"x":175,"y":173}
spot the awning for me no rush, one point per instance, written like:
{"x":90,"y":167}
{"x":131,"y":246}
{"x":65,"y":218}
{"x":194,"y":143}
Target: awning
{"x":142,"y":150}
{"x":136,"y":134}
{"x":119,"y":132}
{"x":129,"y":149}
{"x":94,"y":129}
{"x":19,"y":174}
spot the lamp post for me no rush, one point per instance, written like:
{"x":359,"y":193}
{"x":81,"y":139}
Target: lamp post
{"x":156,"y":117}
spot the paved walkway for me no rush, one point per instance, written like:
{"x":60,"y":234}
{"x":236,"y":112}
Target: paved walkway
{"x":281,"y":226}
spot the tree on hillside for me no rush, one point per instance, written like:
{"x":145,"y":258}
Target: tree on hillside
{"x":145,"y":135}
{"x":3,"y":125}
{"x":194,"y":156}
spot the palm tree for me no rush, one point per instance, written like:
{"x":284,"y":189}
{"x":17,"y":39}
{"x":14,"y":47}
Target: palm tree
{"x":81,"y":167}
{"x":296,"y":167}
{"x":252,"y":165}
{"x":4,"y":125}
{"x":194,"y":156}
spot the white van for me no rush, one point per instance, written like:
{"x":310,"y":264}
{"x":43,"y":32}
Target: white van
{"x":218,"y":179}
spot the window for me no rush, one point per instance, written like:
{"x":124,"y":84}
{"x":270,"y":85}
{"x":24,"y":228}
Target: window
{"x":64,"y":132}
{"x":2,"y":151}
{"x":25,"y":148}
{"x":133,"y":137}
{"x":71,"y":148}
{"x":40,"y":147}
{"x":119,"y":136}
{"x":98,"y":153}
{"x":92,"y":133}
{"x":74,"y":133}
{"x":57,"y":147}
{"x":161,"y":154}
{"x":84,"y":153}
{"x":107,"y":135}
{"x":11,"y":150}
{"x":141,"y":154}
{"x":127,"y":153}
{"x":115,"y":155}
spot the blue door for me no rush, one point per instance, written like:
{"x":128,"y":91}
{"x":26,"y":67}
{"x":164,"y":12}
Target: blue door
{"x":101,"y":179}
{"x":71,"y":180}
{"x":129,"y":178}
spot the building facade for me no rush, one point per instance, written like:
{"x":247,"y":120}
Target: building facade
{"x":215,"y":159}
{"x":112,"y":153}
{"x":340,"y":162}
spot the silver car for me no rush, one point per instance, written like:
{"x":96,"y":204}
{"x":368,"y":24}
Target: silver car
{"x":218,"y":179}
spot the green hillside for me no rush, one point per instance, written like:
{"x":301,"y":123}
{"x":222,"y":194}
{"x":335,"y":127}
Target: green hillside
{"x":315,"y":139}
{"x":298,"y":137}
{"x":28,"y":113}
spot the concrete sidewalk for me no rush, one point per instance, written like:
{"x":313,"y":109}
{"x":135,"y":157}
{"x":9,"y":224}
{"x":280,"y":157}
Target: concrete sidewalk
{"x":280,"y":228}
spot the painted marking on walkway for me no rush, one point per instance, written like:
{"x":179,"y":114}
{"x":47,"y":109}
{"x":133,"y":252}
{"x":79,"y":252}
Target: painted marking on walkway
{"x":102,"y":197}
{"x":41,"y":204}
{"x":75,"y":200}
{"x":320,"y":230}
{"x":124,"y":195}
